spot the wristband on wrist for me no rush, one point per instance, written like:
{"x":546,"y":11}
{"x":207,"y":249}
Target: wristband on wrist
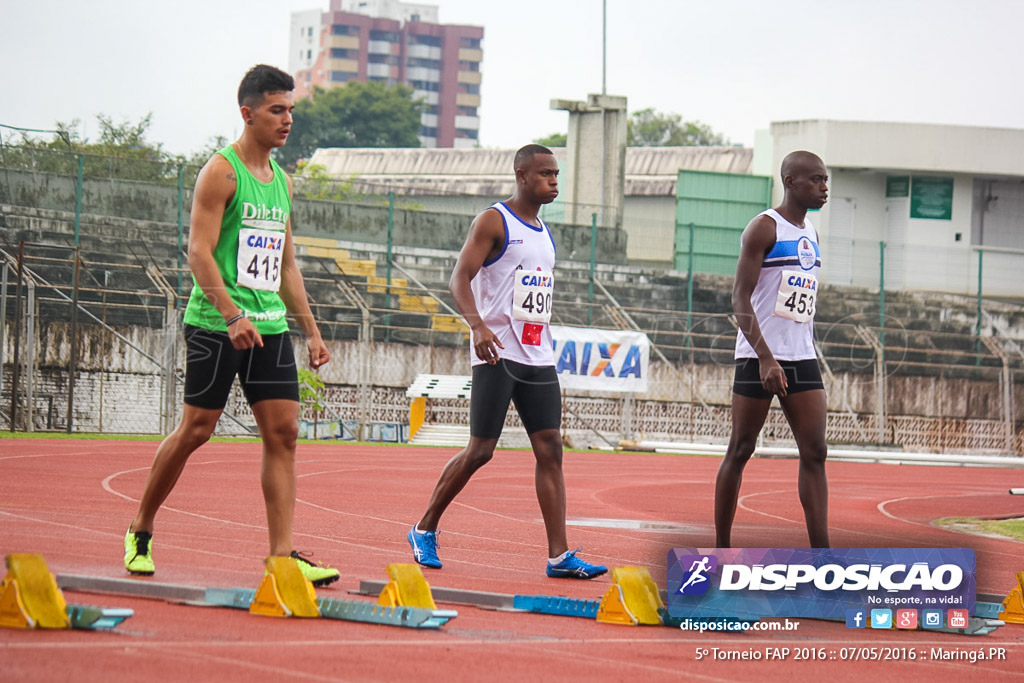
{"x":234,"y":320}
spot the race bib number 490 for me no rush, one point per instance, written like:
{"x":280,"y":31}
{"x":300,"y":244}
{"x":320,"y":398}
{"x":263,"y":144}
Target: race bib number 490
{"x":798,"y":293}
{"x":259,"y":258}
{"x":531,"y":297}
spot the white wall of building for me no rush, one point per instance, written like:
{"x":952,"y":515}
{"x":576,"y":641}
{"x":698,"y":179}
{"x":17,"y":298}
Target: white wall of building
{"x":392,"y":9}
{"x":305,"y":40}
{"x":921,"y":253}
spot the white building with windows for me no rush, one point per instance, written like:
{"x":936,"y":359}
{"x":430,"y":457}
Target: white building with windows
{"x":395,"y":42}
{"x":946,"y":201}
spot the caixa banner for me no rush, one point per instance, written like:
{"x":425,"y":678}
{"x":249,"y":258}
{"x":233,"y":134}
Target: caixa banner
{"x":754,"y":583}
{"x":601,"y":360}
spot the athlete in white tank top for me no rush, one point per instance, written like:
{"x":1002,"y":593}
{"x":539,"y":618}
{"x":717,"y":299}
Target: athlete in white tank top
{"x":786,"y":292}
{"x":513,"y":292}
{"x":774,"y":298}
{"x":502,"y":284}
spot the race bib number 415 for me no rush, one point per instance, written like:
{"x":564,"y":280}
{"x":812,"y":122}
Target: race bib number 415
{"x":531,"y":297}
{"x":259,"y":258}
{"x":798,"y":293}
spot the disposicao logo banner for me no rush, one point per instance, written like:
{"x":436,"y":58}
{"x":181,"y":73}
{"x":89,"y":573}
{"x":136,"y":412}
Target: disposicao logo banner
{"x":754,"y":583}
{"x":601,"y":360}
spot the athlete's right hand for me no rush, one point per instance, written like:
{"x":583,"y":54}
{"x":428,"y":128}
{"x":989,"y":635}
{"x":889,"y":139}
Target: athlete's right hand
{"x":244,"y":335}
{"x":484,"y":341}
{"x":773,"y":378}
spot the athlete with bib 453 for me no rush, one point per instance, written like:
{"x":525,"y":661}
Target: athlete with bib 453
{"x":774,"y":298}
{"x":502,"y":284}
{"x":243,"y":263}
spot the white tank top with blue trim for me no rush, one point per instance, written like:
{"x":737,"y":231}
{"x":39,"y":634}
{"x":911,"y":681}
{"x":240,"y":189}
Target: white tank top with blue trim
{"x":786,"y":293}
{"x":513,"y":292}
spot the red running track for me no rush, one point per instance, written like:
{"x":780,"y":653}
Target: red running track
{"x":72,"y":501}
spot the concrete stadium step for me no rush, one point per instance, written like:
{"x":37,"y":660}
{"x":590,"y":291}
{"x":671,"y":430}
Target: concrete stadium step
{"x":441,"y":435}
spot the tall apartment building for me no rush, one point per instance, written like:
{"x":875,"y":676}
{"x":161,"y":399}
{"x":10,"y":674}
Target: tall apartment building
{"x":395,"y":42}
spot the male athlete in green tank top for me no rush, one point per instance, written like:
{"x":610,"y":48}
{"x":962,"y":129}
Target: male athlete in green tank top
{"x":243,"y":264}
{"x":249,"y":252}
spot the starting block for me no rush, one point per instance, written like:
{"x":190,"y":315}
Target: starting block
{"x":30,"y":598}
{"x":632,"y":599}
{"x":1013,"y":604}
{"x":407,"y":588}
{"x":284,"y":591}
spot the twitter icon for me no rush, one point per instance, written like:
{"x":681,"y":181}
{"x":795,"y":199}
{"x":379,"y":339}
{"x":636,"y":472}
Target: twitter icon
{"x":881,"y":618}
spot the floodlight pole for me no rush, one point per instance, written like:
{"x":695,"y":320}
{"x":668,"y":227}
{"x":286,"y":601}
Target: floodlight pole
{"x":604,"y":46}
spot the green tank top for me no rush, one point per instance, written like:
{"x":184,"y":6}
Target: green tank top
{"x":249,"y":252}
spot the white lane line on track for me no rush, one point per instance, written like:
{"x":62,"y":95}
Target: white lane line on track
{"x":47,"y":455}
{"x":109,"y":534}
{"x":279,"y":673}
{"x":441,"y":639}
{"x":881,"y":508}
{"x":742,"y":505}
{"x":298,"y":534}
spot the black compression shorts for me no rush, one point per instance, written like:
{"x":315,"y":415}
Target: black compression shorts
{"x":211,"y":364}
{"x":801,"y":375}
{"x":534,"y":390}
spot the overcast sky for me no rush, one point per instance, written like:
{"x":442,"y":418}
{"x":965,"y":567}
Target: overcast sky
{"x":734,"y":64}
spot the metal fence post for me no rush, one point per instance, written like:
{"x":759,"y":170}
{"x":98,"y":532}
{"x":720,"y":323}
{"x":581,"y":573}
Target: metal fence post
{"x":593,"y":267}
{"x":627,"y":417}
{"x":30,"y":360}
{"x":16,"y":365}
{"x":3,"y":321}
{"x":168,"y":377}
{"x":881,"y":295}
{"x":78,"y":196}
{"x":181,"y":227}
{"x":366,"y":378}
{"x":689,"y":293}
{"x":73,"y":360}
{"x":391,"y":235}
{"x":977,"y":325}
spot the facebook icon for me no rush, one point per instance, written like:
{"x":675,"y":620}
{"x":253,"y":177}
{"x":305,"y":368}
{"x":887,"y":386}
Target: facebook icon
{"x":856,"y":618}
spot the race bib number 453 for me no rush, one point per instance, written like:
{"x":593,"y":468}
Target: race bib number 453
{"x":259,"y":258}
{"x":798,"y":293}
{"x":531,"y":297}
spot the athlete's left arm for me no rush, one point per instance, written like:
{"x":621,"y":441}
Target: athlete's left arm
{"x":293,"y":293}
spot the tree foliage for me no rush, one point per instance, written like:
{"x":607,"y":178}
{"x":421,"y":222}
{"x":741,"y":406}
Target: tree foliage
{"x":122,"y":150}
{"x":354,"y":115}
{"x":649,"y":128}
{"x":553,"y":140}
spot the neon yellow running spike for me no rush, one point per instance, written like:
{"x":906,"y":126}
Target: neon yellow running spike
{"x":138,"y":552}
{"x":314,"y":573}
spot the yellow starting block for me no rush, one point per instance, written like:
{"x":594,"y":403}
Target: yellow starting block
{"x":632,"y":599}
{"x":30,"y":597}
{"x":284,"y":591}
{"x":407,"y":588}
{"x":1013,"y":604}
